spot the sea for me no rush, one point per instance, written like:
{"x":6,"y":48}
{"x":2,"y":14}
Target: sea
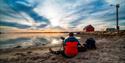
{"x":24,"y":40}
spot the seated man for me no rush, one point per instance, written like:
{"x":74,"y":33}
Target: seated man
{"x":70,"y":46}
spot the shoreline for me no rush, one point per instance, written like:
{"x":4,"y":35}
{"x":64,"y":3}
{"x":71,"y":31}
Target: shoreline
{"x":110,"y":49}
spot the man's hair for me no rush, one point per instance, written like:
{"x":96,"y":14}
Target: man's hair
{"x":71,"y":34}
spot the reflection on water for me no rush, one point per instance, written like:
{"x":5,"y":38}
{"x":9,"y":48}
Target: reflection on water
{"x":28,"y":40}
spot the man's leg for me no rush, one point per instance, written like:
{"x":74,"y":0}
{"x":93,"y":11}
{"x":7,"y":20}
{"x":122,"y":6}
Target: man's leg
{"x":54,"y":52}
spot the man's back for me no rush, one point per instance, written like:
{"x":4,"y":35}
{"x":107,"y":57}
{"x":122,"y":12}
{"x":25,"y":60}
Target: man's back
{"x":71,"y":46}
{"x":70,"y":49}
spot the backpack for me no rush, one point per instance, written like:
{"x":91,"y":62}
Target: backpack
{"x":90,"y":43}
{"x":71,"y":49}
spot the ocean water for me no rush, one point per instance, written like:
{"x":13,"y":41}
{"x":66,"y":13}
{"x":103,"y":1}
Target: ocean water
{"x":25,"y":40}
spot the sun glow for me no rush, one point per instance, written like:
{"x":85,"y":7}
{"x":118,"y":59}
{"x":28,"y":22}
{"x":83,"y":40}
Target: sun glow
{"x":52,"y":12}
{"x":54,"y":41}
{"x":55,"y":23}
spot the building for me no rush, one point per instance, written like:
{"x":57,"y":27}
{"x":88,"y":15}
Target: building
{"x":89,"y":28}
{"x":110,"y":29}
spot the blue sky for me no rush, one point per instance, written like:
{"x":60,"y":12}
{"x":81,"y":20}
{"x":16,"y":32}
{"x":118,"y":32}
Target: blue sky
{"x":67,"y":14}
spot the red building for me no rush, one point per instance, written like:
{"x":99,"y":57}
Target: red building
{"x":89,"y":28}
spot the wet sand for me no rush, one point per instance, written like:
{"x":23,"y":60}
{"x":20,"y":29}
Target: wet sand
{"x":110,"y":49}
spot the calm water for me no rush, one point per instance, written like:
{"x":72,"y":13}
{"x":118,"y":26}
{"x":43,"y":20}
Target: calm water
{"x":28,"y":40}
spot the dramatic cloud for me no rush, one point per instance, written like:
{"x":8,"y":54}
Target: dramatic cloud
{"x":67,"y":14}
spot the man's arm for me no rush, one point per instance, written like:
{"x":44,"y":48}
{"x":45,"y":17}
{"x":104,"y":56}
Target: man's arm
{"x":64,"y":42}
{"x":78,"y":42}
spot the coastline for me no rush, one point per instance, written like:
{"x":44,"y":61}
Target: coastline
{"x":110,"y":49}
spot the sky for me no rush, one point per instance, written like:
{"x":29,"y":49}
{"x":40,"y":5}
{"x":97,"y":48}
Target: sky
{"x":61,"y":14}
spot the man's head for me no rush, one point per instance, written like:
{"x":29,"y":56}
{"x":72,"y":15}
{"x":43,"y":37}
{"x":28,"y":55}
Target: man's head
{"x":71,"y":34}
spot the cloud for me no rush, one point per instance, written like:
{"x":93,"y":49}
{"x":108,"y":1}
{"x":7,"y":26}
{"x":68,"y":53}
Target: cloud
{"x":69,"y":14}
{"x":23,"y":10}
{"x":2,"y":23}
{"x":101,"y":12}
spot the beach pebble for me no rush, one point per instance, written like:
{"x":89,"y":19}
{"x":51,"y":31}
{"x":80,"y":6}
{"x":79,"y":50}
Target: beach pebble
{"x":22,"y":54}
{"x":29,"y":52}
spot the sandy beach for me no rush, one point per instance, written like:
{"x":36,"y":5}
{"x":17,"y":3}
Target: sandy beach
{"x":110,"y":49}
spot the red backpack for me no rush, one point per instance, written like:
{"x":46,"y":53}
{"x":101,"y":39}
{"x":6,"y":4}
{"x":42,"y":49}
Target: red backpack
{"x":71,"y":49}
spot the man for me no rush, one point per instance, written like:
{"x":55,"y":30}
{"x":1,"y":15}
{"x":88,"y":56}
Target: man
{"x":70,"y":47}
{"x":71,"y":38}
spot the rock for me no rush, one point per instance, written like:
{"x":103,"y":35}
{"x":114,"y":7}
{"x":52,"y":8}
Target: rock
{"x":21,"y":54}
{"x":29,"y":52}
{"x":53,"y":58}
{"x":43,"y":44}
{"x":18,"y":46}
{"x":36,"y":57}
{"x":85,"y":58}
{"x":123,"y":46}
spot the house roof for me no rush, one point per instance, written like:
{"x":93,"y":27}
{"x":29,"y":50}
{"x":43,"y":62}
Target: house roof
{"x":88,"y":26}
